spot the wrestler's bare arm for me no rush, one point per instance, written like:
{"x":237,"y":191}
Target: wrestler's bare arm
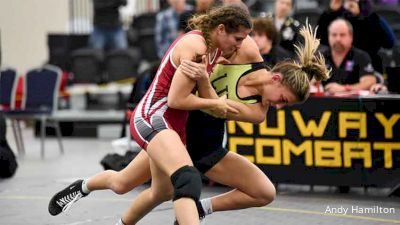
{"x":180,"y":95}
{"x":252,"y":113}
{"x":197,"y":71}
{"x":248,"y":53}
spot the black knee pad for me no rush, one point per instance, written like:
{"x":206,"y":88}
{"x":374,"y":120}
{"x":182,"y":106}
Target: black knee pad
{"x":187,"y":183}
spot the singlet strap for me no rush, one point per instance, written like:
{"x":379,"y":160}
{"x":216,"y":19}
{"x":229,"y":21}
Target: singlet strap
{"x":257,"y":98}
{"x":254,"y":67}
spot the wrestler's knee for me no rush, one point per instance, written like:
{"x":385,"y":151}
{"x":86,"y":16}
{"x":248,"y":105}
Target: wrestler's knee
{"x":163,"y":195}
{"x":187,"y":183}
{"x":266,"y":194}
{"x":120,"y":184}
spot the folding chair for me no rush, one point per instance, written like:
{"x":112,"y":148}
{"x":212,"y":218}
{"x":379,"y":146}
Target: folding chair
{"x":39,"y":101}
{"x":122,"y":64}
{"x":8,"y":86}
{"x":143,"y":28}
{"x":87,"y":65}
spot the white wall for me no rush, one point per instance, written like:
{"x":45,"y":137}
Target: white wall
{"x":24,"y":25}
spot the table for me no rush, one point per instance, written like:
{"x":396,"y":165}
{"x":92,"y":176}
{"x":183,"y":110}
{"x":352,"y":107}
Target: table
{"x":352,"y":141}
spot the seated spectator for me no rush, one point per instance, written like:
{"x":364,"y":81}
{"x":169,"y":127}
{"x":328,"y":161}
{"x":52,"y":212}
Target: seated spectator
{"x":351,"y":67}
{"x":266,"y":37}
{"x":287,"y":26}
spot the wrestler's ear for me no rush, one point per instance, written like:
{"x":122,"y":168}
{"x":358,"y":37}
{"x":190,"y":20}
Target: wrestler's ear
{"x":221,"y":29}
{"x":277,"y":77}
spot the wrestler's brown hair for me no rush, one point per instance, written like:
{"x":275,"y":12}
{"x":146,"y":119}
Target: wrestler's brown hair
{"x":231,"y":16}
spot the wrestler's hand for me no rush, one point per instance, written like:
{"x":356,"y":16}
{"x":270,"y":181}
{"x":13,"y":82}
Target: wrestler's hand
{"x":195,"y":71}
{"x":222,"y":108}
{"x":223,"y":60}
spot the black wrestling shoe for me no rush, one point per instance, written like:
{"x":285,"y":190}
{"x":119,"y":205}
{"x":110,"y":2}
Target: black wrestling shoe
{"x":202,"y":221}
{"x":201,"y":212}
{"x":64,"y":199}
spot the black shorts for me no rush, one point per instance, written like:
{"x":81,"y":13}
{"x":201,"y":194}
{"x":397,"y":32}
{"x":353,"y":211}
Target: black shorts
{"x":204,"y":137}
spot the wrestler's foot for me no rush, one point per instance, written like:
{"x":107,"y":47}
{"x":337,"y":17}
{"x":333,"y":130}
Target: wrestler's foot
{"x":202,"y":221}
{"x":64,"y":199}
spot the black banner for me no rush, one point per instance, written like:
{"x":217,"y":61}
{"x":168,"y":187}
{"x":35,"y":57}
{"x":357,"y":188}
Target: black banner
{"x":326,"y":141}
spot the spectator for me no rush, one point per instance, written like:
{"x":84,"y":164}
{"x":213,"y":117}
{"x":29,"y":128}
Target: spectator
{"x":107,"y":26}
{"x":369,"y":24}
{"x":167,"y":22}
{"x":287,"y":26}
{"x":365,"y":23}
{"x":351,"y":67}
{"x":266,"y":37}
{"x":334,"y":11}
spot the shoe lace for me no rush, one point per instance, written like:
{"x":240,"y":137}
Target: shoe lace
{"x":67,"y":201}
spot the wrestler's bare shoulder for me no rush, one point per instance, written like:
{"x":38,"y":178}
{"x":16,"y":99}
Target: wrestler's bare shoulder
{"x":249,"y":52}
{"x":192,"y":43}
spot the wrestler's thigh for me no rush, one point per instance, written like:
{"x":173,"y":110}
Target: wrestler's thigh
{"x":168,"y":152}
{"x":236,"y":171}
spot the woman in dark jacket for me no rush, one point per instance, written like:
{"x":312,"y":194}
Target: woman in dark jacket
{"x":371,"y":32}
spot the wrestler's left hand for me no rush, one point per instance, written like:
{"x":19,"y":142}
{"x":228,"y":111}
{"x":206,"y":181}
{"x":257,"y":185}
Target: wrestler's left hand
{"x":223,"y":60}
{"x":195,"y":71}
{"x":222,"y":108}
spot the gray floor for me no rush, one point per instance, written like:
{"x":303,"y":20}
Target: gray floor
{"x":24,"y":198}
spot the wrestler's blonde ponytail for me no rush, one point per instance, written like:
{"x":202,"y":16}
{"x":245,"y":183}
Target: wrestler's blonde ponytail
{"x":297,"y":74}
